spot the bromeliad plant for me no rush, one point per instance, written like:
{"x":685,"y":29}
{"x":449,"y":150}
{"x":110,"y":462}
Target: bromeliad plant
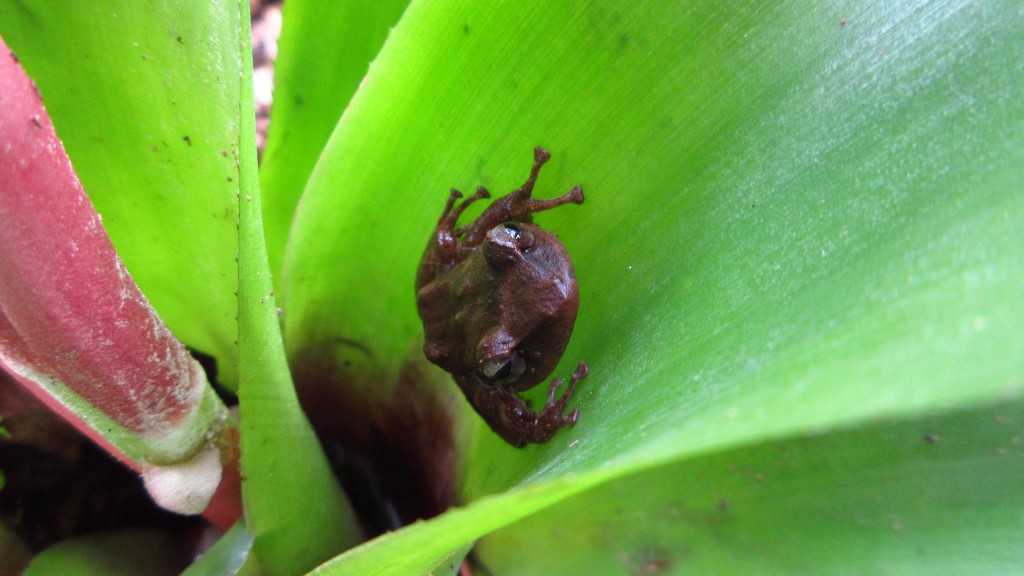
{"x":799,"y":267}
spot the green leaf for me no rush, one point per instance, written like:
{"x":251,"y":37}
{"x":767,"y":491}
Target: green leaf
{"x":294,"y":508}
{"x":909,"y":492}
{"x":797,"y":219}
{"x":424,"y":546}
{"x":115,"y":553}
{"x":936,"y":495}
{"x":230,"y":556}
{"x":144,"y":96}
{"x":348,"y":35}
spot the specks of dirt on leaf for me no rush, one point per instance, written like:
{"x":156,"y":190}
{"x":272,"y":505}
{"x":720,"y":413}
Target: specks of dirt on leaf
{"x":14,"y":56}
{"x":646,"y":561}
{"x":224,"y":153}
{"x":36,"y":121}
{"x":180,"y":41}
{"x":187,"y":139}
{"x":931,"y":438}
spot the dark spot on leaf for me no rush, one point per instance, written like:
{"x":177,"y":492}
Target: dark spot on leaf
{"x":649,"y":561}
{"x":187,"y":140}
{"x":623,"y":40}
{"x":14,"y":56}
{"x":298,"y":100}
{"x":465,"y":29}
{"x":144,"y":57}
{"x":179,"y":40}
{"x":931,"y":438}
{"x":842,"y":23}
{"x":224,"y":153}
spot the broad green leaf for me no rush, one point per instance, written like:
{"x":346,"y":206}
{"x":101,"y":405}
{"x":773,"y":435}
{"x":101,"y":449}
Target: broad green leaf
{"x":144,"y":96}
{"x":766,"y":246}
{"x":936,"y":495}
{"x":313,"y":82}
{"x":294,"y":509}
{"x":798,"y":218}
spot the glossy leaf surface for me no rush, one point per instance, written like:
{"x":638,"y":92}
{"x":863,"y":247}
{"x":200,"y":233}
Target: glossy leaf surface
{"x":797,"y":219}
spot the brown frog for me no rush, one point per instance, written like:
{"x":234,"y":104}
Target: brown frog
{"x":498,"y":299}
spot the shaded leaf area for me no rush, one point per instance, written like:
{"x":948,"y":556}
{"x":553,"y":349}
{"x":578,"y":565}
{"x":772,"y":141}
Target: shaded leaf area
{"x":935,"y":495}
{"x":144,"y":96}
{"x":115,"y":553}
{"x":57,"y":484}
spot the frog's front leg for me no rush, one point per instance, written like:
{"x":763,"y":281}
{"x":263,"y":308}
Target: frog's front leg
{"x":515,"y":422}
{"x":443,"y":247}
{"x":445,"y":232}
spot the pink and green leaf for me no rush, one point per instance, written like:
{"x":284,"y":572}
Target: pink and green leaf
{"x":144,"y":95}
{"x":76,"y":329}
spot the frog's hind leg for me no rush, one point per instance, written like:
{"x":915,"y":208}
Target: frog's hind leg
{"x":540,"y":158}
{"x":452,"y":212}
{"x":521,"y":203}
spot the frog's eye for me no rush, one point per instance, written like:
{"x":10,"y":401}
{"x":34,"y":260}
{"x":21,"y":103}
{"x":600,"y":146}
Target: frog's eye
{"x":505,"y":369}
{"x":512,"y":230}
{"x":520,"y":236}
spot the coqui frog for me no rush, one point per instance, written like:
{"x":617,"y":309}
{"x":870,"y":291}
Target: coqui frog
{"x":498,"y":299}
